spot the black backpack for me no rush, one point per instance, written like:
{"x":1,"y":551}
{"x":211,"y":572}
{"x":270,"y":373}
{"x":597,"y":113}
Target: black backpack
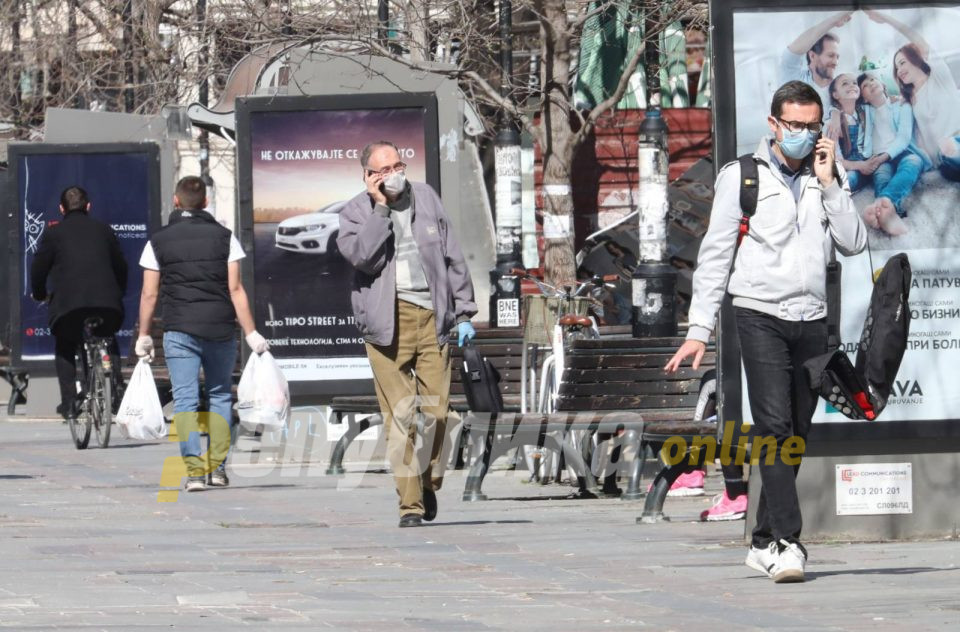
{"x":481,"y":382}
{"x":885,"y":330}
{"x":860,"y":391}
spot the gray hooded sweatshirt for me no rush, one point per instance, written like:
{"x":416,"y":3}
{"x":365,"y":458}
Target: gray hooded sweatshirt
{"x":367,"y":241}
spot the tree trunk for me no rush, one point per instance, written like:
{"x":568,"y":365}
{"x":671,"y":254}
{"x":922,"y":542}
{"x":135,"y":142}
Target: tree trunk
{"x":559,"y":264}
{"x":16,"y":50}
{"x":417,"y":25}
{"x":129,"y":103}
{"x":557,"y":149}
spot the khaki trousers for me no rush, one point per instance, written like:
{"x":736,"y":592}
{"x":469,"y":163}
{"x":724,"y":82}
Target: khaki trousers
{"x":413,"y":372}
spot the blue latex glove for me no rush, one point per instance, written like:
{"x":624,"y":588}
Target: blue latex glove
{"x":465,"y":332}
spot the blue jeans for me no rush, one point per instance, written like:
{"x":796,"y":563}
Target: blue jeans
{"x":856,"y":180}
{"x":895,"y":178}
{"x":782,"y":402}
{"x":185,"y":355}
{"x":950,"y":165}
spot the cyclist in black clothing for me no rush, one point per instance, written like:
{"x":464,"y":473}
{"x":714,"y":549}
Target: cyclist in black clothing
{"x":80,"y":261}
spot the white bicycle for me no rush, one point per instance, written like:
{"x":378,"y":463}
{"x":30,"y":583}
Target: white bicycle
{"x":577,"y":309}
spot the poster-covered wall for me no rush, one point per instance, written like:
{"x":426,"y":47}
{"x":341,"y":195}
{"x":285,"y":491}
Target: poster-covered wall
{"x":304,"y":166}
{"x":122,"y":183}
{"x":890,"y":81}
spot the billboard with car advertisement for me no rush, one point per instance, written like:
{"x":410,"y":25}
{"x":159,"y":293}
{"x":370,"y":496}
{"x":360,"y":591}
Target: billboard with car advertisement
{"x":123,"y":185}
{"x":300,"y":164}
{"x":889,"y":76}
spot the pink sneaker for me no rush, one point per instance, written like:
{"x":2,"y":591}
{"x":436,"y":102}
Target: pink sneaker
{"x":687,"y":484}
{"x":725,"y":508}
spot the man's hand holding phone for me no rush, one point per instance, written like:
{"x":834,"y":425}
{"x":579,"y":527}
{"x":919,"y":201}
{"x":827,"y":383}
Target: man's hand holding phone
{"x":824,"y":157}
{"x":374,"y":181}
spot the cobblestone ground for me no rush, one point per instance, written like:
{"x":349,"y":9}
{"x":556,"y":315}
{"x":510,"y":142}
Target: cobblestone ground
{"x":84,"y":544}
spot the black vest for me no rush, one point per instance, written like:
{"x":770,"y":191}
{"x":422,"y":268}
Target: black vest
{"x":192,"y":251}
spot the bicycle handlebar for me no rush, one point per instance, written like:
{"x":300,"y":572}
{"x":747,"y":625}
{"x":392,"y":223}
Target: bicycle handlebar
{"x":567,"y":291}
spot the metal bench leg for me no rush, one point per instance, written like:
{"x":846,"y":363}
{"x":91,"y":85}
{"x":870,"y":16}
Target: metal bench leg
{"x":354,"y":430}
{"x":471,"y":491}
{"x":458,"y":459}
{"x":586,"y":481}
{"x":653,"y":507}
{"x":18,"y":389}
{"x":610,"y":458}
{"x":634,"y":492}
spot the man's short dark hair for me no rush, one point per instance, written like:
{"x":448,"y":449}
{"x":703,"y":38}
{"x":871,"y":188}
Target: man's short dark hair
{"x":369,"y":149}
{"x":192,"y":193}
{"x":74,"y":199}
{"x":817,"y":47}
{"x":794,"y":92}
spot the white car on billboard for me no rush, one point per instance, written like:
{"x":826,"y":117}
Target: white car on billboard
{"x":311,"y":233}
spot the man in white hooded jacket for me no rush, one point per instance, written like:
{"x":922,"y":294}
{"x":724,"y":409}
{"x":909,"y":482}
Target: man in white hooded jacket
{"x":778,"y":285}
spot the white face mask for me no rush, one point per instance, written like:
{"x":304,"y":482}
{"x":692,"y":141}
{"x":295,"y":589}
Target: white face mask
{"x":394,"y":183}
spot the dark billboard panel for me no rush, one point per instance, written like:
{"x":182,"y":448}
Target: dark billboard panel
{"x":122,"y":181}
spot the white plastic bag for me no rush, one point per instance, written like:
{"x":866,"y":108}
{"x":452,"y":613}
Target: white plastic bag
{"x":141,"y":415}
{"x":263,"y":396}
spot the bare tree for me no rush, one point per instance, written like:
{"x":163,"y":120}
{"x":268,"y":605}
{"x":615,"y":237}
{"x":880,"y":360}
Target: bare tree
{"x":139,"y":55}
{"x":121,"y":55}
{"x":426,"y":31}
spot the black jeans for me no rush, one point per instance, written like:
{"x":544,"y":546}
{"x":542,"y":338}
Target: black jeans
{"x":782,"y":403}
{"x":68,"y":333}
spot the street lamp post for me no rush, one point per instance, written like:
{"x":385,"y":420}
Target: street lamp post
{"x":203,"y":97}
{"x":505,"y":286}
{"x":654,"y":279}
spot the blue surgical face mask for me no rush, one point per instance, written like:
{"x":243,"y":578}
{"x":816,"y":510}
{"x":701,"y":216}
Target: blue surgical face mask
{"x":797,"y":145}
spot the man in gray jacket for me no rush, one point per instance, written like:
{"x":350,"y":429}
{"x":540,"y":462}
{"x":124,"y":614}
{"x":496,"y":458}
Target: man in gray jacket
{"x":778,"y":285}
{"x":410,"y":288}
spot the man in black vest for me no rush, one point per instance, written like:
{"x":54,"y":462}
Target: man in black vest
{"x":81,"y":258}
{"x":193,"y":265}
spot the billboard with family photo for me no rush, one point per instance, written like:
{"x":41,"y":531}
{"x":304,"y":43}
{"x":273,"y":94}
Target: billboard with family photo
{"x":299,"y":165}
{"x":889,"y":78}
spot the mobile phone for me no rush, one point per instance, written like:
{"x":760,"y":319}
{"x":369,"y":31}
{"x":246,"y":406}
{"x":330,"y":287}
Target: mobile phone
{"x":821,"y":155}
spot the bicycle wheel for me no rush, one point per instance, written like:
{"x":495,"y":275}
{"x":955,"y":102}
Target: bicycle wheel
{"x":80,"y":429}
{"x":80,"y":424}
{"x":101,"y":405}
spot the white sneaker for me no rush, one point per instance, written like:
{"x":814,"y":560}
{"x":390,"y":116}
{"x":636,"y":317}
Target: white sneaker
{"x":195,"y":484}
{"x":764,"y":560}
{"x":791,"y":563}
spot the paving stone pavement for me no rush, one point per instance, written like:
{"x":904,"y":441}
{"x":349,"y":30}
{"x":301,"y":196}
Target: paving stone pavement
{"x":84,"y":545}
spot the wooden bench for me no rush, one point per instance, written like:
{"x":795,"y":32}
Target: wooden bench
{"x":610,"y":386}
{"x":502,"y":347}
{"x":17,"y":377}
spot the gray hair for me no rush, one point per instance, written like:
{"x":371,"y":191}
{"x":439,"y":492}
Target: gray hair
{"x":365,"y":154}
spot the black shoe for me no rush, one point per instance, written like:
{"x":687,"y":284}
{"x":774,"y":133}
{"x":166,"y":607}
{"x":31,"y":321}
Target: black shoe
{"x":70,"y":410}
{"x":429,"y":505}
{"x":411,"y":520}
{"x":219,"y":479}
